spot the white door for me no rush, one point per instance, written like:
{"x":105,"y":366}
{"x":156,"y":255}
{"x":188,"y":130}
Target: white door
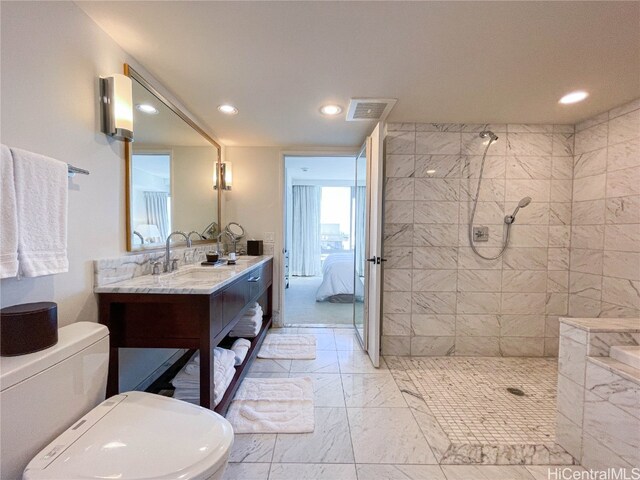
{"x":367,"y":318}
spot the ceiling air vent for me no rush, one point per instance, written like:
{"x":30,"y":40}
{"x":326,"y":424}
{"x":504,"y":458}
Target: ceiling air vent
{"x":367,"y":109}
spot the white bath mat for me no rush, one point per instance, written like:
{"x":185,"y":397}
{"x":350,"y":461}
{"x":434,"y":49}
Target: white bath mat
{"x":290,"y":347}
{"x":273,"y":405}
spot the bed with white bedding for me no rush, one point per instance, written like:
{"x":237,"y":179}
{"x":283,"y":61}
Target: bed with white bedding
{"x":338,"y":280}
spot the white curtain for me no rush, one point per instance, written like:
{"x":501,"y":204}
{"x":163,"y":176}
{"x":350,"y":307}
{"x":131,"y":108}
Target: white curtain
{"x":305,"y":248}
{"x":360,"y":194}
{"x":157,"y":211}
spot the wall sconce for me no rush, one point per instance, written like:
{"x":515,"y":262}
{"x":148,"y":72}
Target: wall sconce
{"x":116,"y":101}
{"x":223,"y":171}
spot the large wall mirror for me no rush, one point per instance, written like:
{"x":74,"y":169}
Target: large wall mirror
{"x":170,"y":173}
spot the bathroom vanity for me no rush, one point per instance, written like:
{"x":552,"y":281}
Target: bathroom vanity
{"x":194,"y":307}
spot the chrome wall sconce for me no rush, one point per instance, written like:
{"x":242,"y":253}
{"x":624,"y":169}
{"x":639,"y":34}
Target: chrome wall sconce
{"x":224,"y":173}
{"x":116,"y":103}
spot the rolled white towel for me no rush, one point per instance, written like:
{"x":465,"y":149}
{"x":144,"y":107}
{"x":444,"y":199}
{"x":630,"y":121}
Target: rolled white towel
{"x":240,"y":347}
{"x":223,"y":387}
{"x":219,"y":353}
{"x":223,"y":361}
{"x":192,"y":393}
{"x":186,"y":380}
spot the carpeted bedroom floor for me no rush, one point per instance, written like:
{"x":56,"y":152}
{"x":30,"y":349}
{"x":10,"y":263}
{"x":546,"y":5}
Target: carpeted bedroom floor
{"x":301,"y":307}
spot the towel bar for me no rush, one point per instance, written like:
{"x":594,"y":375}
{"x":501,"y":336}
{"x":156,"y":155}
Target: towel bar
{"x":74,"y":170}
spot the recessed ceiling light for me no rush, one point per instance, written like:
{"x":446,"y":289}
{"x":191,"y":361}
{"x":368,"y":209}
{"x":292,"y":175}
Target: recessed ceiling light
{"x":146,"y":108}
{"x":431,"y":172}
{"x":330,"y":110}
{"x":574,"y":97}
{"x":228,"y":109}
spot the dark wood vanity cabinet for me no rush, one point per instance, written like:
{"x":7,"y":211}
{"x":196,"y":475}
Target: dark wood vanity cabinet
{"x":192,"y":321}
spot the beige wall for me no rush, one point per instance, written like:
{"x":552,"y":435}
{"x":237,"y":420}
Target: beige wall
{"x":49,"y":106}
{"x":52,"y":55}
{"x":255,"y":201}
{"x":194,"y":200}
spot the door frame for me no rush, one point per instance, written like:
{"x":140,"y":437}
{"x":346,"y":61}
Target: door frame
{"x":313,"y":152}
{"x":375,"y":239}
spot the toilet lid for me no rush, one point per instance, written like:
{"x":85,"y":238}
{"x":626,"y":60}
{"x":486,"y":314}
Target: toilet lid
{"x":137,"y":435}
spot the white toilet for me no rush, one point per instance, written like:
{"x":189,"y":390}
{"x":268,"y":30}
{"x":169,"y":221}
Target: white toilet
{"x":49,"y":403}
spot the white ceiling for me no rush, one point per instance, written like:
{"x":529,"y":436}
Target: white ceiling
{"x":321,"y":168}
{"x":165,"y":128}
{"x":158,"y":165}
{"x":471,"y":62}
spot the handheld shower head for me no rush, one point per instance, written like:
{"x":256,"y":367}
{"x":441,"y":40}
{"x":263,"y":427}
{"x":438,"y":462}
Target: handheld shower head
{"x":524,"y":202}
{"x":509,"y":219}
{"x":488,"y":133}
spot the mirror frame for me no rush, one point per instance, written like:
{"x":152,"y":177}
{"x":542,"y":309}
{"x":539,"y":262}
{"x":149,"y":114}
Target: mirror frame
{"x":130,"y":72}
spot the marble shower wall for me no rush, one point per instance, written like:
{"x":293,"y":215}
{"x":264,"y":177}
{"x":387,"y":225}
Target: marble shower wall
{"x":605,"y":237}
{"x":439,"y":298}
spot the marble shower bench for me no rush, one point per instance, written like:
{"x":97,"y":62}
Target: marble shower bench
{"x":598,"y":418}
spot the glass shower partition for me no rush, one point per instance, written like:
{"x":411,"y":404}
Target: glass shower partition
{"x":360,"y":234}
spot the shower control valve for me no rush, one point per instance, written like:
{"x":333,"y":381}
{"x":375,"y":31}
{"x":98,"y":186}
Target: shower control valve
{"x":480,"y":234}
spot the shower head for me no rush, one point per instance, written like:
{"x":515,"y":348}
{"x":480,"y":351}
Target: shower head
{"x":509,"y":219}
{"x":488,"y":133}
{"x":524,"y":202}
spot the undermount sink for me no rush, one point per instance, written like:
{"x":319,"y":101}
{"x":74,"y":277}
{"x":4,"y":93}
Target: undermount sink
{"x":202,"y":274}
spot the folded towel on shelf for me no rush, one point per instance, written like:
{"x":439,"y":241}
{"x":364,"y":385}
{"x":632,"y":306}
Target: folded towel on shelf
{"x":252,"y":310}
{"x":248,"y":326}
{"x":192,"y":393}
{"x":240,"y":347}
{"x":41,"y":198}
{"x":249,"y":322}
{"x":8,"y":217}
{"x":249,"y":332}
{"x":189,"y":376}
{"x":222,"y":354}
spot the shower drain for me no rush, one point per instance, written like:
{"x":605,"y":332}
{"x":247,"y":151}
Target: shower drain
{"x":515,"y":391}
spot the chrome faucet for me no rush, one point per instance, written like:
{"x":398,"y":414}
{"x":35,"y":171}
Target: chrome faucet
{"x":192,"y":232}
{"x":219,"y":238}
{"x":168,"y":265}
{"x":137,"y":234}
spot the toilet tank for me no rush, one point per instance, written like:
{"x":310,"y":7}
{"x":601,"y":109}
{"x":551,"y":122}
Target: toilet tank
{"x":43,"y":393}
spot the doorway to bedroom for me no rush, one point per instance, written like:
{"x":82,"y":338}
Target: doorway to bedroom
{"x":321,"y":211}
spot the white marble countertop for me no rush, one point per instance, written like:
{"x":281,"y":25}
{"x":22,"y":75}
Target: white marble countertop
{"x":629,"y":325}
{"x":187,"y":280}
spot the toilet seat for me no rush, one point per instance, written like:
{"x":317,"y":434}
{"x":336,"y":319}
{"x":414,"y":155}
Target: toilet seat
{"x":134,"y":436}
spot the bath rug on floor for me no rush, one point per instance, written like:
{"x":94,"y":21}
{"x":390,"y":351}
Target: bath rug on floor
{"x":273,"y":405}
{"x":290,"y":347}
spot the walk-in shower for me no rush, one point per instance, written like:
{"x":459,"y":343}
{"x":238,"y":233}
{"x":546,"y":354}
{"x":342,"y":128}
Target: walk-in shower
{"x":508,"y":219}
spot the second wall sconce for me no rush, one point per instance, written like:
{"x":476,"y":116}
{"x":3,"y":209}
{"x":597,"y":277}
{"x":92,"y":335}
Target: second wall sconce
{"x":224,"y":173}
{"x":116,"y":102}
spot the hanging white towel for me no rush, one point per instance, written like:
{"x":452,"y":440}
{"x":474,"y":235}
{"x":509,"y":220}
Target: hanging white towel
{"x":8,"y":217}
{"x":41,"y":193}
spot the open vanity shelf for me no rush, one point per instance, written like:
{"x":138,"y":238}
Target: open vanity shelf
{"x":164,"y":381}
{"x":195,"y":321}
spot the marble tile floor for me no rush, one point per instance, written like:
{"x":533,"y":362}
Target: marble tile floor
{"x":472,"y":416}
{"x":366,"y":426}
